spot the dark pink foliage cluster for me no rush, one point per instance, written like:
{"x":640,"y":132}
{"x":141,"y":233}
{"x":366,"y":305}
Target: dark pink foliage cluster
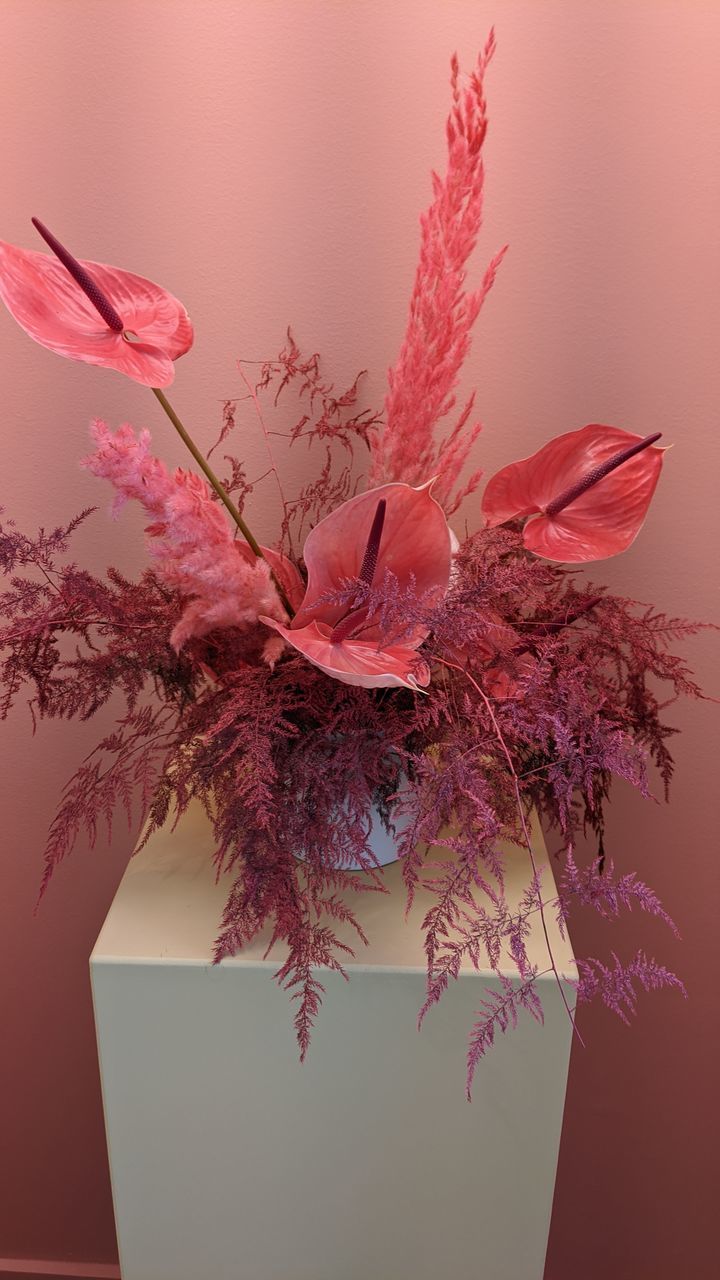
{"x":543,"y":689}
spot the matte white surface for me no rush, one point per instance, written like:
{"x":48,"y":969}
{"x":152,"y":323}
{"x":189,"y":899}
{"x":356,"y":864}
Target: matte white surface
{"x":230,"y":1161}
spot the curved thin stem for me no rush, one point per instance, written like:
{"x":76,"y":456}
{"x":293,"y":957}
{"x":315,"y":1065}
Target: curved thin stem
{"x":263,"y":427}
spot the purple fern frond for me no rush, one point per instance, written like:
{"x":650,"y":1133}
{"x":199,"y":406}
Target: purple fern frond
{"x":499,"y":1012}
{"x":595,"y":886}
{"x":615,"y":985}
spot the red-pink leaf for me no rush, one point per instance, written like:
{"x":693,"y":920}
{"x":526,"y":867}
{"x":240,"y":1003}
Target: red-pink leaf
{"x":415,"y":545}
{"x":603,"y":520}
{"x":358,"y":662}
{"x":51,"y":307}
{"x":394,"y":528}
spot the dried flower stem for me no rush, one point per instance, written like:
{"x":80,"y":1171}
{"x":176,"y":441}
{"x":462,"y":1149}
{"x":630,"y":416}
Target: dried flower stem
{"x":263,"y":427}
{"x":220,"y":491}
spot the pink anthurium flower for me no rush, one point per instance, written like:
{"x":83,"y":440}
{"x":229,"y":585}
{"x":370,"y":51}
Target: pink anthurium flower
{"x":96,"y":313}
{"x":589,"y":491}
{"x":394,"y":528}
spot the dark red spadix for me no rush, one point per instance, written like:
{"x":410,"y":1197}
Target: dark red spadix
{"x":101,"y":303}
{"x":584,"y":495}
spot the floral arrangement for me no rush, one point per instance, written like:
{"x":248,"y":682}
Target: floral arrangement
{"x":369,"y":662}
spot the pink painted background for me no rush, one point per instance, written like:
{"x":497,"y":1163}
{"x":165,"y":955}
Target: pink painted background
{"x":267,"y":161}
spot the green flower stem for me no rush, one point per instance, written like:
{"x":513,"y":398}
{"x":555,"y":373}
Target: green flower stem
{"x":220,"y":491}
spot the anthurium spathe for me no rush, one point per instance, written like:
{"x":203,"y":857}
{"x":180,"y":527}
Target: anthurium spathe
{"x":93,"y":312}
{"x":395,"y":529}
{"x":586,"y":492}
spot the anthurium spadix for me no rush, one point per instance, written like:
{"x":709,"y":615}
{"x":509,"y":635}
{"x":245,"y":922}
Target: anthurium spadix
{"x":394,"y":529}
{"x":93,"y":312}
{"x":586,"y":493}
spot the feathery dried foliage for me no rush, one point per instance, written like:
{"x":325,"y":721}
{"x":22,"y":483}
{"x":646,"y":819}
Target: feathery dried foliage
{"x":543,"y":687}
{"x":334,"y":421}
{"x":543,"y":690}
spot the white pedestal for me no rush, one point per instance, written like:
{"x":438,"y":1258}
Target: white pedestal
{"x":231,"y":1161}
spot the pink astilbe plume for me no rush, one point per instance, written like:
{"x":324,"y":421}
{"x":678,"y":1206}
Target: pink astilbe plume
{"x":195,"y":551}
{"x":442,"y":314}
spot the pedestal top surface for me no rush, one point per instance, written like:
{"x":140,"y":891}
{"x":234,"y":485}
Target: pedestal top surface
{"x":168,"y":909}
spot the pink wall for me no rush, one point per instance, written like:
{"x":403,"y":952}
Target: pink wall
{"x":267,"y":161}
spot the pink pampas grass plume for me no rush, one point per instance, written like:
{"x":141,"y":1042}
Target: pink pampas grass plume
{"x":442,"y":314}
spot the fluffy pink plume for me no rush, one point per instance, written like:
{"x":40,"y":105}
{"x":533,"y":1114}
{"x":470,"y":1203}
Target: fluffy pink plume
{"x":442,"y":314}
{"x":195,"y":552}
